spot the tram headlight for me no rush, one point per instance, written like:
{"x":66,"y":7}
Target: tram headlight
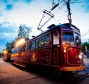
{"x":64,"y":50}
{"x":80,"y":56}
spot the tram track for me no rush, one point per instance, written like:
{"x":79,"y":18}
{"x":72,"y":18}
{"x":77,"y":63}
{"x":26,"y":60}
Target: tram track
{"x":75,"y":78}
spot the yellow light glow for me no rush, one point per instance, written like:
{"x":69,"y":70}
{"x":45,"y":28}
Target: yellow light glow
{"x":80,"y":56}
{"x":20,"y":42}
{"x":64,"y":50}
{"x":5,"y":51}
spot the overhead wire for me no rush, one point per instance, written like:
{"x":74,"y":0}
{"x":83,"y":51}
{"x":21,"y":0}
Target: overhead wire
{"x":62,"y":4}
{"x":48,"y":13}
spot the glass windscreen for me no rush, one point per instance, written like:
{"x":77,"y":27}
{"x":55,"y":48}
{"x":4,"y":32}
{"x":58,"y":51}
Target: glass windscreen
{"x":67,"y":37}
{"x":77,"y":39}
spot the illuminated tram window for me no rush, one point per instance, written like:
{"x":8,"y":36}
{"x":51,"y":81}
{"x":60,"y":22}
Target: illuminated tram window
{"x":77,"y":38}
{"x":45,"y":40}
{"x":67,"y":37}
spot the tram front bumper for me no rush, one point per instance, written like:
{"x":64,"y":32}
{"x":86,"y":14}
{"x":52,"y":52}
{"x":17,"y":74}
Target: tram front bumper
{"x":75,"y":68}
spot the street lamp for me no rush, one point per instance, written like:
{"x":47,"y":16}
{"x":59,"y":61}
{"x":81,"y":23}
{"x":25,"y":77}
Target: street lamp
{"x":20,"y":42}
{"x":4,"y":51}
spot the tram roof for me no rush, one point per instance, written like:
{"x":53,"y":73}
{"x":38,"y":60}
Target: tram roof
{"x":53,"y":26}
{"x":65,"y":25}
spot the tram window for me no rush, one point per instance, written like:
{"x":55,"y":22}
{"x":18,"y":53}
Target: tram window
{"x":23,"y":49}
{"x":15,"y":50}
{"x":67,"y":37}
{"x":26,"y":47}
{"x":20,"y":49}
{"x":55,"y":37}
{"x":77,"y":39}
{"x":38,"y":43}
{"x":33,"y":45}
{"x":29,"y":46}
{"x":45,"y":40}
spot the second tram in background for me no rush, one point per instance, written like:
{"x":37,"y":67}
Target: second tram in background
{"x":59,"y":47}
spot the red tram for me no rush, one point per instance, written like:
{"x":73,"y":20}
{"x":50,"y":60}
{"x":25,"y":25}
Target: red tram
{"x":58,"y":47}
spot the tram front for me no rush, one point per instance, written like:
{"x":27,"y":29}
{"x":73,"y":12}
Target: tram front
{"x":71,"y":51}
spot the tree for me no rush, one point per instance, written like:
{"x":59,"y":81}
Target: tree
{"x":9,"y":45}
{"x":24,"y":31}
{"x":83,"y":46}
{"x":0,"y":55}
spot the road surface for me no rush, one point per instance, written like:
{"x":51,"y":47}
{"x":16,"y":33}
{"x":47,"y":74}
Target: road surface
{"x":12,"y":74}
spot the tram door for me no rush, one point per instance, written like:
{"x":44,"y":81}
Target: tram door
{"x":56,"y":49}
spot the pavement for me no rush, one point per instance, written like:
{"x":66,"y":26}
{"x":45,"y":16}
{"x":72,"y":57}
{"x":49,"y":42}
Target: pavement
{"x":86,"y":61}
{"x":15,"y":75}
